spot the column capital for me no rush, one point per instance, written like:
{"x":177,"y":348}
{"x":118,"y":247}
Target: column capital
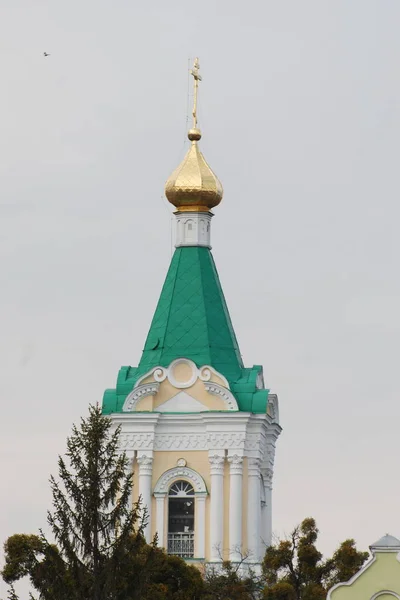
{"x":201,"y":496}
{"x":145,"y":463}
{"x":217,"y":463}
{"x":160,"y":494}
{"x":267,"y":477}
{"x":235,"y":464}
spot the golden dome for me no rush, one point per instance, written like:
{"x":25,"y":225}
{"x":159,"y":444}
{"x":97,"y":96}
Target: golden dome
{"x":193,"y":186}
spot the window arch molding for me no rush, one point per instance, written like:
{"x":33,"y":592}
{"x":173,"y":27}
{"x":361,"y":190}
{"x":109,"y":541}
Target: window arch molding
{"x":167,"y":479}
{"x":385,"y":593}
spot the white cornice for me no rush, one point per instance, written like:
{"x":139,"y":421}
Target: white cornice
{"x":242,"y":433}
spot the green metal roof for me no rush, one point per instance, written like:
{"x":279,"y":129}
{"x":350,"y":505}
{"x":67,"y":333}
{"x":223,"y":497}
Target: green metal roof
{"x":192,"y":321}
{"x":191,"y":318}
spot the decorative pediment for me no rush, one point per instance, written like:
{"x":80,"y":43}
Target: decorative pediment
{"x":156,"y":391}
{"x":182,"y":373}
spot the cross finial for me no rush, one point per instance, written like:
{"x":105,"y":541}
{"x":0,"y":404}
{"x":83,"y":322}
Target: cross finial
{"x":197,"y":77}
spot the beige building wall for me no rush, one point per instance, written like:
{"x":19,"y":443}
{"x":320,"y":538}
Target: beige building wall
{"x":163,"y":461}
{"x":189,"y":413}
{"x":198,"y":461}
{"x":379,"y":579}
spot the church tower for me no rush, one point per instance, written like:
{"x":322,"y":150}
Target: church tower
{"x":198,"y":426}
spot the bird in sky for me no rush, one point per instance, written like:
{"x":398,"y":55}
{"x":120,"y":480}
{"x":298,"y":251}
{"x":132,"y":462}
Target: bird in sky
{"x":46,"y":54}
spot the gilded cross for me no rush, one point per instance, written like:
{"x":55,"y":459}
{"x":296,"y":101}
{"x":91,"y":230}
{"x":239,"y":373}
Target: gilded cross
{"x":197,"y":77}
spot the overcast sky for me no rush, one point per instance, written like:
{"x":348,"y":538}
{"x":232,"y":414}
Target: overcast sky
{"x":300,"y":114}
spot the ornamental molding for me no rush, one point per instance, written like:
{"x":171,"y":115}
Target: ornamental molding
{"x":181,"y":441}
{"x":145,"y":463}
{"x":235,"y":464}
{"x":142,"y":391}
{"x":251,"y":443}
{"x":218,"y":390}
{"x":385,"y":593}
{"x":164,"y":482}
{"x":253,"y":467}
{"x":273,"y":408}
{"x":203,"y":373}
{"x":221,"y":441}
{"x":267,"y":475}
{"x":136,"y":441}
{"x":217,"y":464}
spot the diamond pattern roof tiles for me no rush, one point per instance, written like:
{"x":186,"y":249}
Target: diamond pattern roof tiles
{"x":191,"y":318}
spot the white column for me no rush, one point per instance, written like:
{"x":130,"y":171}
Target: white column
{"x":235,"y":506}
{"x":200,"y":525}
{"x":217,"y":507}
{"x":160,"y":504}
{"x":145,"y":463}
{"x":253,"y":510}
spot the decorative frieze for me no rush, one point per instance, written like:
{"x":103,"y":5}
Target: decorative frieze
{"x":195,"y":441}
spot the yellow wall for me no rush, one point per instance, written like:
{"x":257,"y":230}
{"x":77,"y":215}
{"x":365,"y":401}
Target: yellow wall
{"x":382,"y":575}
{"x":168,"y":391}
{"x":195,"y":459}
{"x":198,"y":461}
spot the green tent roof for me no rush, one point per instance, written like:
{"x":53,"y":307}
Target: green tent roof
{"x":191,"y":318}
{"x":192,"y":321}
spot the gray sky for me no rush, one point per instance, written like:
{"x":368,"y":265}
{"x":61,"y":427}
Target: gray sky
{"x":300,"y":114}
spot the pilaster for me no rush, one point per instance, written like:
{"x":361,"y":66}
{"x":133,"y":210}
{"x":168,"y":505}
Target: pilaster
{"x":160,"y":504}
{"x":200,"y":525}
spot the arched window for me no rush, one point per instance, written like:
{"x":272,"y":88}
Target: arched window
{"x":181,"y":519}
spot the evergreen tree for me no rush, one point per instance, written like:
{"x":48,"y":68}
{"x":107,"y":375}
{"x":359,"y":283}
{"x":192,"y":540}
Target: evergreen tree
{"x":91,"y":521}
